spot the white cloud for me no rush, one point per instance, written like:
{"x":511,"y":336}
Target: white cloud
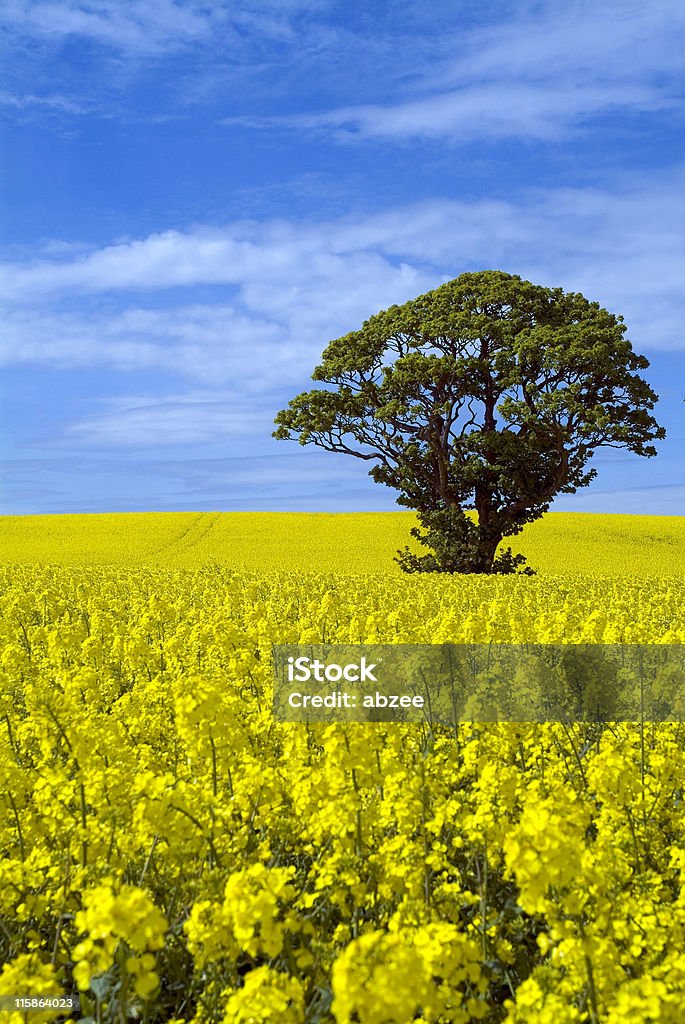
{"x":283,"y":288}
{"x":618,"y":38}
{"x":141,"y":27}
{"x":484,"y":112}
{"x":534,"y":72}
{"x":535,"y":76}
{"x":206,"y":343}
{"x":286,"y":288}
{"x":284,"y":311}
{"x":147,"y":421}
{"x":27,"y":101}
{"x":138,"y":26}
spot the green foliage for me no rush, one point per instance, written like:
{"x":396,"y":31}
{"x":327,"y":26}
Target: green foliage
{"x":488,"y":393}
{"x":455,"y":547}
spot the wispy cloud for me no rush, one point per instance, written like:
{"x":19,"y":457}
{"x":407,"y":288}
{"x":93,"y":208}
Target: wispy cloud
{"x":29,"y":101}
{"x":158,"y":421}
{"x":533,"y":76}
{"x":524,"y":71}
{"x":137,"y":26}
{"x":506,"y":110}
{"x":650,"y":499}
{"x":299,"y":480}
{"x":148,"y":26}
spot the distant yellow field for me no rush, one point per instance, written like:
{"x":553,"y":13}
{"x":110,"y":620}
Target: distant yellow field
{"x":561,"y":542}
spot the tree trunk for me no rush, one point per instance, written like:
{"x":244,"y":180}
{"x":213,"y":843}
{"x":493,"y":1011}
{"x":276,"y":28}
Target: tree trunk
{"x":487,"y":548}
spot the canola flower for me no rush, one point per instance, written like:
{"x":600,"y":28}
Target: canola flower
{"x":173,"y":853}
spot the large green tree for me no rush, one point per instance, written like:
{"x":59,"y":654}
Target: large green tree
{"x":488,"y":393}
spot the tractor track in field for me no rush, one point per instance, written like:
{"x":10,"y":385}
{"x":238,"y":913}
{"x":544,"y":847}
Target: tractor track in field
{"x":183,"y":541}
{"x":208,"y":528}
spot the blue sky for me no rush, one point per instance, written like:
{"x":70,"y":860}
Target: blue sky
{"x":198,"y":196}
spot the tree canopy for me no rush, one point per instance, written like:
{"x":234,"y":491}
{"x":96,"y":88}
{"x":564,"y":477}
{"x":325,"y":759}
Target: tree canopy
{"x":488,"y":393}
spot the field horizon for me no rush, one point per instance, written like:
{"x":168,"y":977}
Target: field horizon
{"x":354,"y":542}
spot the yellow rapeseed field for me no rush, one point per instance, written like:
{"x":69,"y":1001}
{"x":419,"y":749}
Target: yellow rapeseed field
{"x":172,"y":853}
{"x":353,"y":542}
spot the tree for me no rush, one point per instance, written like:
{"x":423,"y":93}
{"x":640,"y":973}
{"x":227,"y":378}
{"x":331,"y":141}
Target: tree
{"x":489,"y":394}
